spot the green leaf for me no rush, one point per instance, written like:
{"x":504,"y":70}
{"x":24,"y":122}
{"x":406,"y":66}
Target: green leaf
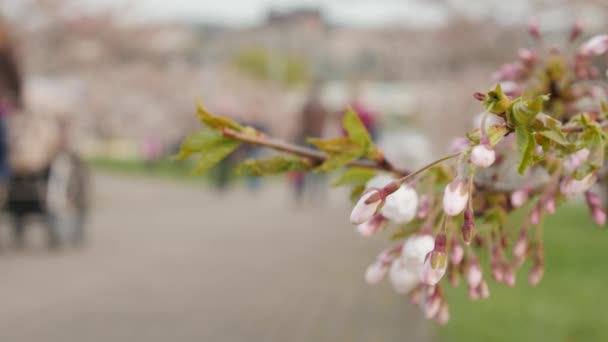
{"x":495,"y":134}
{"x":214,"y":121}
{"x":197,"y":142}
{"x":524,"y":111}
{"x":356,"y":192}
{"x":340,"y":152}
{"x":525,"y":148}
{"x":355,"y":176}
{"x":496,"y":101}
{"x":216,"y":153}
{"x":273,"y":166}
{"x":357,"y":132}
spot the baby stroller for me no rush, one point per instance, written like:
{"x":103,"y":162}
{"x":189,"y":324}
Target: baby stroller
{"x":48,"y":181}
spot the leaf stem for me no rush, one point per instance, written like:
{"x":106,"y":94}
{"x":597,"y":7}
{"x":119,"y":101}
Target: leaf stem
{"x":301,"y":151}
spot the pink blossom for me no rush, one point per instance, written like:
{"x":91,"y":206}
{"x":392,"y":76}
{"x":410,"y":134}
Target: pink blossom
{"x":519,"y":197}
{"x":366,"y":208}
{"x":473,"y":273}
{"x":483,"y":155}
{"x":455,"y":196}
{"x":456,"y":252}
{"x":375,"y":273}
{"x":597,"y":46}
{"x":372,"y":226}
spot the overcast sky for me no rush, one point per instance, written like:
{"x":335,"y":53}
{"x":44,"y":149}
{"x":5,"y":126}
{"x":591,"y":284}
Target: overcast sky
{"x":354,"y":12}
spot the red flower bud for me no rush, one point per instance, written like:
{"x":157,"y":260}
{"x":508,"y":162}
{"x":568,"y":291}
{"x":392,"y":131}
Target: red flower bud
{"x":537,"y":272}
{"x":468,"y":226}
{"x":533,"y":28}
{"x":576,"y":31}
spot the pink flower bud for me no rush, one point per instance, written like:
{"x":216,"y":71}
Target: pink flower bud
{"x":595,"y":207}
{"x":519,"y":197}
{"x":415,"y":295}
{"x":509,"y":275}
{"x":597,"y":46}
{"x":468,"y":226}
{"x":432,"y":306}
{"x":424,"y":208}
{"x":473,"y":293}
{"x":456,"y":252}
{"x":550,"y":205}
{"x":455,"y":196}
{"x":576,"y":31}
{"x":444,"y":314}
{"x":527,"y":57}
{"x":571,"y":186}
{"x":533,"y":28}
{"x":576,"y":159}
{"x":483,"y":155}
{"x":536,"y":213}
{"x":473,"y":273}
{"x":372,"y":226}
{"x":537,"y":272}
{"x":497,"y":273}
{"x":483,"y":290}
{"x":401,"y":206}
{"x":435,"y":263}
{"x":521,"y":246}
{"x":375,"y":273}
{"x":366,"y":208}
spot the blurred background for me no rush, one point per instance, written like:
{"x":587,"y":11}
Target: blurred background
{"x":165,"y":255}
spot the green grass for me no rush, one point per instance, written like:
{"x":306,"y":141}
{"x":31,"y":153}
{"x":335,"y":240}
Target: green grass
{"x":168,"y":169}
{"x":568,"y":305}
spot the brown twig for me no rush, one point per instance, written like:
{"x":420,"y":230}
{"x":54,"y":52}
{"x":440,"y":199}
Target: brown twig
{"x":314,"y":155}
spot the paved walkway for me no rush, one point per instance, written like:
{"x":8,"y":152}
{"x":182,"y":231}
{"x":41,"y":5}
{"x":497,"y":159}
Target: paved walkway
{"x":174,"y":262}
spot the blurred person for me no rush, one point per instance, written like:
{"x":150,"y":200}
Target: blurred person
{"x":311,"y":123}
{"x":10,"y":100}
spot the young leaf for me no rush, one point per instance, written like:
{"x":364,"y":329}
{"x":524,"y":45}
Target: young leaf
{"x":340,"y":152}
{"x":496,"y":101}
{"x":214,"y":121}
{"x":357,"y":132}
{"x":525,"y":148}
{"x":216,"y":153}
{"x":355,"y":176}
{"x":272,"y":166}
{"x":197,"y":142}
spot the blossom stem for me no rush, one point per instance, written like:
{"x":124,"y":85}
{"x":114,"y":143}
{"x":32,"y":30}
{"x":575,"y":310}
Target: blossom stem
{"x":315,"y":155}
{"x":409,"y":176}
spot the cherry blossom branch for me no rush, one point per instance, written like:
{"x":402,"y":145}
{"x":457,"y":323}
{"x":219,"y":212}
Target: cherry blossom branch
{"x":312,"y":154}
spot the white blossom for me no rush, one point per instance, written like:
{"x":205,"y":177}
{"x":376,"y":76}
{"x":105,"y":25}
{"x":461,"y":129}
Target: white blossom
{"x":483,"y":155}
{"x":363,"y":212}
{"x":401,"y":206}
{"x":455,"y":197}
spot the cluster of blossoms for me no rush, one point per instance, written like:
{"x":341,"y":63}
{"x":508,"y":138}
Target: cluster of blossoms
{"x":539,"y":142}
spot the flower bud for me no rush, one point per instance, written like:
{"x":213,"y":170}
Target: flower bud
{"x":401,"y":205}
{"x":521,"y":247}
{"x":402,"y":277}
{"x":375,"y":273}
{"x":519,"y":197}
{"x":483,"y":290}
{"x":444,"y":314}
{"x":576,"y":160}
{"x":372,"y":226}
{"x":436,"y":262}
{"x":597,"y":46}
{"x":468,"y":226}
{"x":537,"y":272}
{"x":455,"y":196}
{"x":533,"y":28}
{"x":432,"y":306}
{"x":483,"y":155}
{"x":473,"y":273}
{"x":576,"y":31}
{"x":415,"y":295}
{"x":571,"y":186}
{"x":536,"y":213}
{"x":595,"y":207}
{"x":497,"y":273}
{"x":527,"y":57}
{"x":459,"y":144}
{"x":550,"y":205}
{"x":456,"y":252}
{"x":367,"y":207}
{"x":473,"y":293}
{"x":509,"y":275}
